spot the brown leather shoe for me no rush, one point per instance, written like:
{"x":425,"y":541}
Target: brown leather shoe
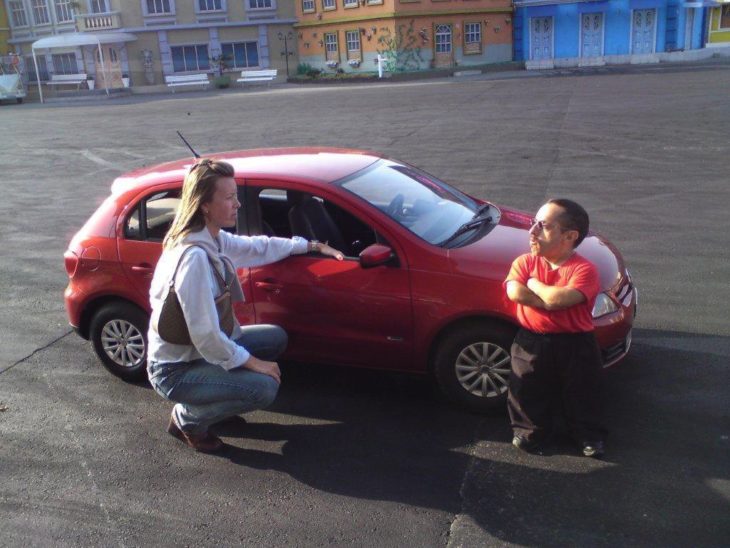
{"x":205,"y":443}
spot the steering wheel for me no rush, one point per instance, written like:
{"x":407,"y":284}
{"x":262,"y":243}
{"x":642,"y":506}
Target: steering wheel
{"x":395,"y":207}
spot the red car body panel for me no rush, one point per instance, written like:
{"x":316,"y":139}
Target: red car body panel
{"x":334,"y":312}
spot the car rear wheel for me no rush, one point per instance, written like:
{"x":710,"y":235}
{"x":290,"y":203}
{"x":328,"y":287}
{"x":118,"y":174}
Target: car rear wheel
{"x":119,"y":334}
{"x":472,"y":365}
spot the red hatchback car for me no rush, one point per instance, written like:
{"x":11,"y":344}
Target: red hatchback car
{"x":420,"y":289}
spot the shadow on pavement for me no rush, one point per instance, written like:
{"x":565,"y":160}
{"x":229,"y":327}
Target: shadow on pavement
{"x":378,"y":436}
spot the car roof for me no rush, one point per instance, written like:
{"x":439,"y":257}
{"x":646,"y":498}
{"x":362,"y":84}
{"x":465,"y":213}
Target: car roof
{"x":314,"y":164}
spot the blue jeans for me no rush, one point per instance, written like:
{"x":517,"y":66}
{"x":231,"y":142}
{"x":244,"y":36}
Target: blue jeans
{"x":206,"y":393}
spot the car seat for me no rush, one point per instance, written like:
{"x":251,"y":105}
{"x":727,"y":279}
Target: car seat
{"x":309,"y":218}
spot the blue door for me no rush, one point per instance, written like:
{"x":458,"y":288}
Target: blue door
{"x":592,"y":35}
{"x":643,"y":31}
{"x":541,"y":38}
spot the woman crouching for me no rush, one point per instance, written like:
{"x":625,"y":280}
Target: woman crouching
{"x":198,"y":354}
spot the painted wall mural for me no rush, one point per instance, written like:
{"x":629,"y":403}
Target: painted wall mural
{"x":402,"y":49}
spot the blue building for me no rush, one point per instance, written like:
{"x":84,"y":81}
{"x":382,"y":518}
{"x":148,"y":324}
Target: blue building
{"x":585,"y":32}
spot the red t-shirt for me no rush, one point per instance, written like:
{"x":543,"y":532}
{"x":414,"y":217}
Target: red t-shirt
{"x":576,"y":273}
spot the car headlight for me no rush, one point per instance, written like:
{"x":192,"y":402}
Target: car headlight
{"x":603,"y":305}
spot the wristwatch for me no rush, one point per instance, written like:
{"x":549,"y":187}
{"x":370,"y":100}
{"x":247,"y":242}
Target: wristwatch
{"x":313,"y":245}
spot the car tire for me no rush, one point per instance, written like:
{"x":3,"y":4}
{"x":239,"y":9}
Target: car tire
{"x":118,"y":332}
{"x":472,"y":364}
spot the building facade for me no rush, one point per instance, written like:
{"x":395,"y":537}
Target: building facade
{"x":349,"y":35}
{"x":586,"y":32}
{"x":5,"y":46}
{"x":156,"y":37}
{"x":718,"y":25}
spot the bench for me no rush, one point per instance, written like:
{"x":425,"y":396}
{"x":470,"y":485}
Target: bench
{"x":174,"y":80}
{"x":248,"y":76}
{"x":67,"y":80}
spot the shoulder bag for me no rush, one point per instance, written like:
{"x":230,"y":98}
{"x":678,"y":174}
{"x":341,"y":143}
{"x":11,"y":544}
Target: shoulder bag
{"x":172,"y":326}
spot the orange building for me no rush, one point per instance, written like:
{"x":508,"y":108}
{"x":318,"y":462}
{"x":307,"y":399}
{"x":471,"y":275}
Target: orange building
{"x":410,"y":34}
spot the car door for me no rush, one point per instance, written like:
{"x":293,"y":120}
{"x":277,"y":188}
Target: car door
{"x":140,"y":244}
{"x":334,"y":311}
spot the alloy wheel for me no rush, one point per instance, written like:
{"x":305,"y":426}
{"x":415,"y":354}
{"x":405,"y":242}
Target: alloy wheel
{"x":123,"y":343}
{"x":483,"y":369}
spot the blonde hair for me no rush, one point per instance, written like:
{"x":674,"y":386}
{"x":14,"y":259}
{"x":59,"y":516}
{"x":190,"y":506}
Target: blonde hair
{"x":198,"y":189}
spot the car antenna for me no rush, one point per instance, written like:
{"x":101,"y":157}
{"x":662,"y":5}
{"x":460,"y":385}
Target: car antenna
{"x":188,"y":144}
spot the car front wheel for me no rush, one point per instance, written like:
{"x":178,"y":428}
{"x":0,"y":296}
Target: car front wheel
{"x":472,"y":365}
{"x":119,"y":334}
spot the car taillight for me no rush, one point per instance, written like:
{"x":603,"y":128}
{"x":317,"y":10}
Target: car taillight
{"x":71,"y":262}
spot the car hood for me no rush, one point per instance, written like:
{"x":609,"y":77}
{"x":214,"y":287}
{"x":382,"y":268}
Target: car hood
{"x":493,"y":254}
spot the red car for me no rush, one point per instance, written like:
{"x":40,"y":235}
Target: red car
{"x":420,"y":289}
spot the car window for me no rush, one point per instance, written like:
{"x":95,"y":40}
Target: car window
{"x":288,"y":213}
{"x":429,"y":208}
{"x":153,"y":216}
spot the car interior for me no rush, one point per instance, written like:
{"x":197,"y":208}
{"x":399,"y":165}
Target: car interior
{"x":287,"y":213}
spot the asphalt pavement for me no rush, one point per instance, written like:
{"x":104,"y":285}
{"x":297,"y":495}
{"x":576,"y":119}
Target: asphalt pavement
{"x":357,"y":458}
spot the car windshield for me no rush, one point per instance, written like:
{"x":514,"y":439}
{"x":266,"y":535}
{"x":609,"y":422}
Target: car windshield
{"x":429,"y":208}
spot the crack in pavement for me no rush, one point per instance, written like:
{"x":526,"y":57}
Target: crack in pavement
{"x":21,"y":360}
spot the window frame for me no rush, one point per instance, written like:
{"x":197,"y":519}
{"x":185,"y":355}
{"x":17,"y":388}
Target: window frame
{"x":63,"y":5}
{"x":436,"y":43}
{"x":41,"y":6}
{"x":313,"y":9}
{"x":197,"y":58}
{"x":359,"y":45}
{"x":336,"y":50}
{"x":140,"y":211}
{"x":329,"y":5}
{"x":350,"y":4}
{"x":42,"y":68}
{"x":272,"y":5}
{"x":478,"y":48}
{"x":93,"y":3}
{"x":232,"y":62}
{"x":66,"y":61}
{"x":198,"y":9}
{"x":16,"y":9}
{"x":147,"y":13}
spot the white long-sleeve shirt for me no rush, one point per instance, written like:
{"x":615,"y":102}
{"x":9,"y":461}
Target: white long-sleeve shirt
{"x":197,"y":287}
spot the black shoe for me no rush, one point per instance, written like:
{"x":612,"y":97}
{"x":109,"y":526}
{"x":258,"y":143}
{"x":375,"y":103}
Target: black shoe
{"x":528,"y":446}
{"x":593,"y":449}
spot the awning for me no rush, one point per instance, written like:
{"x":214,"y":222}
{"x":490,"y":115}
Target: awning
{"x":76,"y":39}
{"x":73,"y":39}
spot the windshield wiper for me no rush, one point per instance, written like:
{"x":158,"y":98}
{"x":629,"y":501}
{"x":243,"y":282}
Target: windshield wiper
{"x":466,"y":227}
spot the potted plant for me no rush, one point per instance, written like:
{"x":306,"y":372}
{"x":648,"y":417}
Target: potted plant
{"x":90,"y":81}
{"x":125,"y":80}
{"x":218,"y":63}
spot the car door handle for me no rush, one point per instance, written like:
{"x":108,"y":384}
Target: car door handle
{"x":271,"y":287}
{"x":142,"y":268}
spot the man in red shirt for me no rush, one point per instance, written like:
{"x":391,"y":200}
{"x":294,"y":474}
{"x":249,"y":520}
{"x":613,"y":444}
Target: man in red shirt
{"x":555,"y":357}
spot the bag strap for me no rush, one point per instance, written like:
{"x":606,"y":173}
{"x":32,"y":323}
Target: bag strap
{"x":221,"y":281}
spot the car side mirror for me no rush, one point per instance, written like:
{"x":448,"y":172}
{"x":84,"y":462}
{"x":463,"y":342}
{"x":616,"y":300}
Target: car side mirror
{"x":376,"y":255}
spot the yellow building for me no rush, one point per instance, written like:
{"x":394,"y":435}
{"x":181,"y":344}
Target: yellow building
{"x":718,"y":33}
{"x":125,"y":42}
{"x":5,"y":47}
{"x":410,"y":34}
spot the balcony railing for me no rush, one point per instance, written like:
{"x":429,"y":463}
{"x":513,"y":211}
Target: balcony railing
{"x":92,"y":22}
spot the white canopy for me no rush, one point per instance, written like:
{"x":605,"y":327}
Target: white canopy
{"x":75,"y":39}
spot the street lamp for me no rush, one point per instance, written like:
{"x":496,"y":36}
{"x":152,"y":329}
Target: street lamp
{"x":286,"y":53}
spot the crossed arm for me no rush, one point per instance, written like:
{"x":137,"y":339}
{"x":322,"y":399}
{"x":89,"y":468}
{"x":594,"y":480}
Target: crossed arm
{"x":539,"y":295}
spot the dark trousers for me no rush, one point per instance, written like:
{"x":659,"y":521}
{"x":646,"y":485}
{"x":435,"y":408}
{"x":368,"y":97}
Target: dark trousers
{"x":556,"y":371}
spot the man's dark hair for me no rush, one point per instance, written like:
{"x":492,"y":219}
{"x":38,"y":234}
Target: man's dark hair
{"x":573,"y":217}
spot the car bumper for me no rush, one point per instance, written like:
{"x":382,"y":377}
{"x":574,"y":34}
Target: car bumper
{"x":614,"y":331}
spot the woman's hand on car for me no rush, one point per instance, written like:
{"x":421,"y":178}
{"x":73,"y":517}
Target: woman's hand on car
{"x":266,"y":368}
{"x":326,"y":249}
